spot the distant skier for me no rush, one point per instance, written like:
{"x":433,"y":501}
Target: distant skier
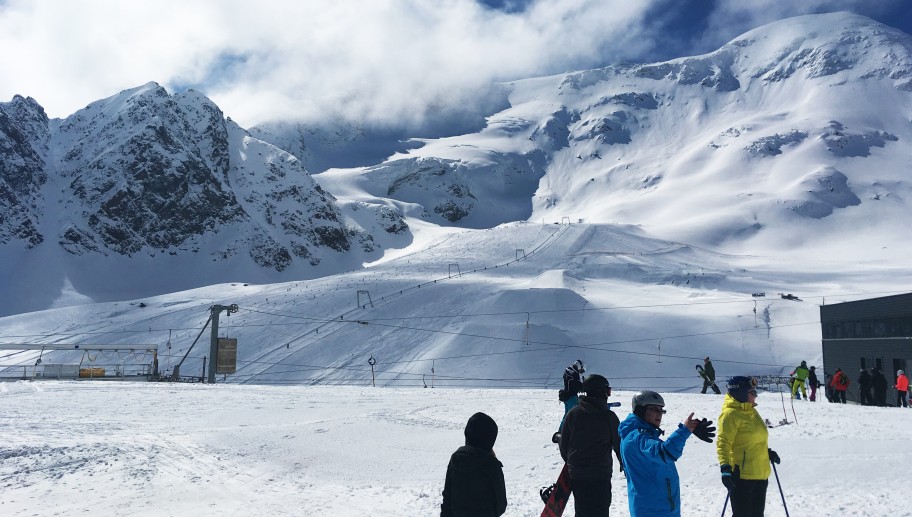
{"x":589,"y":436}
{"x":814,"y":382}
{"x":569,"y":395}
{"x":800,"y":374}
{"x":840,"y":384}
{"x":865,"y":383}
{"x":653,"y":485}
{"x":474,"y":483}
{"x":902,"y":388}
{"x":708,"y":373}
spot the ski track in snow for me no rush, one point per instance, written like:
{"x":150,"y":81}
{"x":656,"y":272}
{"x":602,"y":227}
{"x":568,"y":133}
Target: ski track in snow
{"x":123,"y":448}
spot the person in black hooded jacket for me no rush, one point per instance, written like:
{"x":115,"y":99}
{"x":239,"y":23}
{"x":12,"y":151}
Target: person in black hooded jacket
{"x":474,"y":485}
{"x":588,"y":437}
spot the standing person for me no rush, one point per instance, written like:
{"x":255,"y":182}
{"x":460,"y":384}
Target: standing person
{"x":840,"y":384}
{"x":800,"y":374}
{"x":653,"y":486}
{"x":589,"y":435}
{"x":880,"y":387}
{"x":709,"y":376}
{"x":814,"y":383}
{"x":828,"y":387}
{"x":902,"y":387}
{"x":865,"y":397}
{"x":573,"y":385}
{"x":474,"y":483}
{"x":743,"y":449}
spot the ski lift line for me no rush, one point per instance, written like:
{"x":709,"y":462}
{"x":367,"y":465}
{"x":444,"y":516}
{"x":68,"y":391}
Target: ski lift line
{"x":76,"y":346}
{"x":585,"y":309}
{"x":595,"y":346}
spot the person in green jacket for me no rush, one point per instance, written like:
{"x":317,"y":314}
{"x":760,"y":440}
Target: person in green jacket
{"x":800,"y":375}
{"x":743,"y":449}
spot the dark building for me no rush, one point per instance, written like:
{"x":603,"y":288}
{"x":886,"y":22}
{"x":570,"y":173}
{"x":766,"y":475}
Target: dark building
{"x":866,"y":333}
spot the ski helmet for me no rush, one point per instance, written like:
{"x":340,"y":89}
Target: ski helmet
{"x":739,"y":386}
{"x":596,"y":385}
{"x":646,"y":398}
{"x":901,"y":372}
{"x":579,"y":366}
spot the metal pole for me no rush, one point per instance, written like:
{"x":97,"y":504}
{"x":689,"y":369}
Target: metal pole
{"x":780,"y":490}
{"x":372,"y":362}
{"x":725,"y":506}
{"x":213,"y":341}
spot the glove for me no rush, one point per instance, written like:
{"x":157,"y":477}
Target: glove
{"x":704,"y":432}
{"x":729,"y":477}
{"x":774,"y":458}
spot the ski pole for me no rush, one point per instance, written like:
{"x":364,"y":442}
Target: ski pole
{"x":781,"y":493}
{"x":792,"y":400}
{"x":781,"y":396}
{"x":725,"y":506}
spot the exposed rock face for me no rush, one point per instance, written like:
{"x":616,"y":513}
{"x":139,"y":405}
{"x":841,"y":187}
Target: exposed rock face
{"x":24,"y":134}
{"x":153,"y":173}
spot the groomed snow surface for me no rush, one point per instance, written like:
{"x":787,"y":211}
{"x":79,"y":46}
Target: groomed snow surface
{"x":125,"y":448}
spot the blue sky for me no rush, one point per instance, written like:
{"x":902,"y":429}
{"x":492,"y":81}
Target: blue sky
{"x":385,"y":62}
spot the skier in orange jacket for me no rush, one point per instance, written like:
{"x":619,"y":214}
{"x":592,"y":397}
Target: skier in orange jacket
{"x":840,"y":384}
{"x":902,"y":386}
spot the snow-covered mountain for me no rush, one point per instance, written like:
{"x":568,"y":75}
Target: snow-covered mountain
{"x":799,"y":127}
{"x":777,"y":164}
{"x":169,"y":179}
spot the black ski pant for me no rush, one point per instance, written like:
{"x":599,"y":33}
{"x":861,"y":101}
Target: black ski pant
{"x":880,"y":398}
{"x":839,"y":396}
{"x":865,"y":396}
{"x":901,"y":399}
{"x":710,"y":384}
{"x":591,"y":497}
{"x":748,"y":498}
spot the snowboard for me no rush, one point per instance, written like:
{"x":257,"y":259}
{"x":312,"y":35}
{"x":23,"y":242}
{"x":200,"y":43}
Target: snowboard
{"x":701,"y":372}
{"x":558,"y":495}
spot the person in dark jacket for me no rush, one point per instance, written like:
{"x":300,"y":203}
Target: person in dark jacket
{"x":589,"y":436}
{"x":879,"y":381}
{"x":709,"y":377}
{"x":814,"y":383}
{"x":474,"y":485}
{"x":653,"y":486}
{"x":865,"y":383}
{"x":569,"y":395}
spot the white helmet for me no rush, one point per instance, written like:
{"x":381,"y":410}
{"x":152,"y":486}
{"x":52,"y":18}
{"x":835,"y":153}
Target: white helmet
{"x":901,"y":372}
{"x":647,"y":398}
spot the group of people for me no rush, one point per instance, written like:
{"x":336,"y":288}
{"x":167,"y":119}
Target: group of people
{"x":872,"y":388}
{"x":591,"y":435}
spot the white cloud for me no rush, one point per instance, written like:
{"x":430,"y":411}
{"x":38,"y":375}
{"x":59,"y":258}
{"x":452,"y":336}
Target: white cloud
{"x":369,"y":60}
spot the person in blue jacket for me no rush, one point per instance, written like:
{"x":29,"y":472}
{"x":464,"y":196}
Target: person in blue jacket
{"x":653,"y":486}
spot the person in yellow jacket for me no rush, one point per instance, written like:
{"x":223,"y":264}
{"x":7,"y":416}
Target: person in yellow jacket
{"x":799,"y":376}
{"x":743,"y":449}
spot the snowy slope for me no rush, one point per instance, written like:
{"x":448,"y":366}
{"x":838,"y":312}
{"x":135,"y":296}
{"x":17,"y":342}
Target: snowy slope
{"x":153,"y":449}
{"x":782,"y":138}
{"x":153,"y":182}
{"x":758,"y":168}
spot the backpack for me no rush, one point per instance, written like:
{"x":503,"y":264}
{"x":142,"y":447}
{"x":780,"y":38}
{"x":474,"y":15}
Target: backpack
{"x":842,"y":380}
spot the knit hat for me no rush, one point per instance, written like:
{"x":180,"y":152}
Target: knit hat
{"x":481,"y":431}
{"x":739,"y":386}
{"x":596,"y":385}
